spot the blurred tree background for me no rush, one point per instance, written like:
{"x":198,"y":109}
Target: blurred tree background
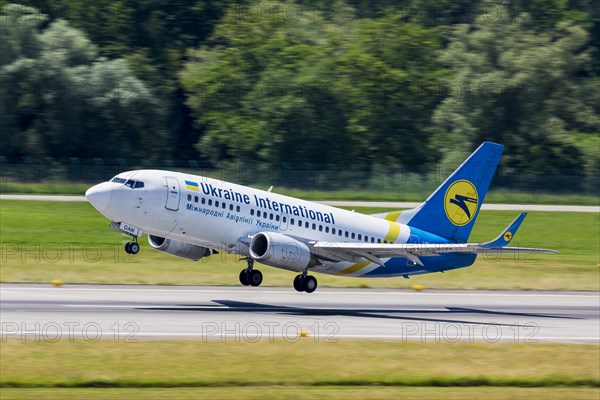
{"x":380,"y":86}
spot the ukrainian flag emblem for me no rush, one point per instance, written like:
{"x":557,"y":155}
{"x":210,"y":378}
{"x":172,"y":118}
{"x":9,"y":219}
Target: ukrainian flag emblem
{"x":192,"y":186}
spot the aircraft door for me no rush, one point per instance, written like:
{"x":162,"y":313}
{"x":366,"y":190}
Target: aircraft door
{"x":172,"y":194}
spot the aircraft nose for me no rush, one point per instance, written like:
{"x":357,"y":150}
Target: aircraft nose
{"x":99,"y":195}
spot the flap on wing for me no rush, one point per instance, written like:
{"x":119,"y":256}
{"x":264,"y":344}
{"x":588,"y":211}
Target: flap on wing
{"x":375,"y":251}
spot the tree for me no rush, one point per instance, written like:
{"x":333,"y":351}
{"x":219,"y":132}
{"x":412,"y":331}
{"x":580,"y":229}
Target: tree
{"x":292,"y":88}
{"x":524,"y":88}
{"x":61,"y":99}
{"x":263,"y":89}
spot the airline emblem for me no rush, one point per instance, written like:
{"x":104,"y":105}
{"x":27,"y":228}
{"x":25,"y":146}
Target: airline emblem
{"x":460,"y":202}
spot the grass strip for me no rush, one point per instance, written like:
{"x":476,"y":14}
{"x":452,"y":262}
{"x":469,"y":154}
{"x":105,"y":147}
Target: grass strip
{"x":304,"y":392}
{"x":356,"y":363}
{"x":42,"y":241}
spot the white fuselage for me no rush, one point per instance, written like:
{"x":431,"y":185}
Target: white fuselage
{"x":222,"y":216}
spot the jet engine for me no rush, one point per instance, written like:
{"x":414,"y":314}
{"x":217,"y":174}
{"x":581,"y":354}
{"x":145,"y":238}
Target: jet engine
{"x":278,"y":250}
{"x":179,"y":249}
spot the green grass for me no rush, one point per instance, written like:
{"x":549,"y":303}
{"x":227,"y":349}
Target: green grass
{"x":42,"y":241}
{"x":302,"y":392}
{"x":494,"y":196}
{"x":348,"y":363}
{"x":63,"y":188}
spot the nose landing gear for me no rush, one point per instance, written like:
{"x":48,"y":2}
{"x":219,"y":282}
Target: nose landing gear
{"x":250,"y":276}
{"x":132,"y":247}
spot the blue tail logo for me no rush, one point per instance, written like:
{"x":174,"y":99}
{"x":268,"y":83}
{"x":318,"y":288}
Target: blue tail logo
{"x":461,"y":202}
{"x":450,"y":212}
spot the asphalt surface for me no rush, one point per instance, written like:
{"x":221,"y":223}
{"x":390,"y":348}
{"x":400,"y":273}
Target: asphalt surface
{"x":381,"y":204}
{"x":125,"y":313}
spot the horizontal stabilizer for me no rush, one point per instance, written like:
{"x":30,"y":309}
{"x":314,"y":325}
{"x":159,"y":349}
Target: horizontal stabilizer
{"x":507,"y":235}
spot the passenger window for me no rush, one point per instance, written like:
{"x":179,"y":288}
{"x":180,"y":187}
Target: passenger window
{"x":231,"y":207}
{"x":359,"y":237}
{"x":258,"y":213}
{"x":372,"y":240}
{"x":195,"y":199}
{"x":306,"y":224}
{"x":326,"y":229}
{"x":237,"y":208}
{"x":271,"y":216}
{"x":352,"y":235}
{"x":216,"y":204}
{"x":189,"y":197}
{"x":333,"y":230}
{"x":320,"y":228}
{"x":378,"y":240}
{"x":346,"y":233}
{"x":277,"y":218}
{"x":314,"y":227}
{"x":203,"y":200}
{"x":224,"y":206}
{"x":252,"y":211}
{"x":210,"y":202}
{"x":292,"y":221}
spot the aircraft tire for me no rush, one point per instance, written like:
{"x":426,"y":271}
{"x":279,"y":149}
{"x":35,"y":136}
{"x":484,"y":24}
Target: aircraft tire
{"x":255,"y":277}
{"x":134,"y":248}
{"x":310,"y":284}
{"x":244,"y":277}
{"x":299,"y":283}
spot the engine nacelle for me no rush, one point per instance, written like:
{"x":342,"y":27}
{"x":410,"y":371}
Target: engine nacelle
{"x":278,"y":250}
{"x":180,"y":249}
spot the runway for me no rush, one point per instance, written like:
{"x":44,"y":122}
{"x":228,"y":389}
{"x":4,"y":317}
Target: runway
{"x":390,"y":205}
{"x":120,"y":312}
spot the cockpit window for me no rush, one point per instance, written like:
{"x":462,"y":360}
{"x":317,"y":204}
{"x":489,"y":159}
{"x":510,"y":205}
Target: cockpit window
{"x":129,"y":182}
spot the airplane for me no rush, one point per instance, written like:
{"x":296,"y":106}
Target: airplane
{"x":193,"y":217}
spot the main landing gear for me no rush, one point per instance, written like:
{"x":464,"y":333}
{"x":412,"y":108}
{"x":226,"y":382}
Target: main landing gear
{"x":132,"y":247}
{"x":305,"y":283}
{"x":253,"y":277}
{"x":250,"y":276}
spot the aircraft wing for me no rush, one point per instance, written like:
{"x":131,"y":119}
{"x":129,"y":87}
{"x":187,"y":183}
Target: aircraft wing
{"x":374,"y":252}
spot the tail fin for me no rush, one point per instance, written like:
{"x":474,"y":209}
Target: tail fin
{"x":451,"y":210}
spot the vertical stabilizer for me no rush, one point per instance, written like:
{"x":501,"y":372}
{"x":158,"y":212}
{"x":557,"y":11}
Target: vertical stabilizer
{"x":451,"y":210}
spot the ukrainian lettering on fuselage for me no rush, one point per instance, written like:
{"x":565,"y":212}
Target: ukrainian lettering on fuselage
{"x":264,"y":202}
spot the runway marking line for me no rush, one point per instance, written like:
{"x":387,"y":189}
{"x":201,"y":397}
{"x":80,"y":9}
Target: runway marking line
{"x":337,"y":336}
{"x":362,"y":292}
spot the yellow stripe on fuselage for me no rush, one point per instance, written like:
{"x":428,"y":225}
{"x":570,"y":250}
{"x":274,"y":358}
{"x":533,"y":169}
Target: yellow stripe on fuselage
{"x":393,"y":232}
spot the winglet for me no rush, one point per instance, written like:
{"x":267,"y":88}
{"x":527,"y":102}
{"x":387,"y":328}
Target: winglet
{"x":506,"y":236}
